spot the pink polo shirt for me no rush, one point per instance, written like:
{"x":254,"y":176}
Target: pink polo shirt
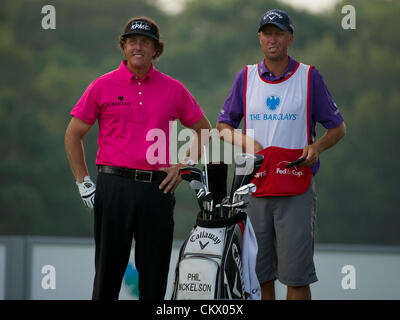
{"x":127,"y":107}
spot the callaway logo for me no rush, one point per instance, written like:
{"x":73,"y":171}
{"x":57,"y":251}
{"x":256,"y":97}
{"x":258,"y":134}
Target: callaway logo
{"x":236,"y":258}
{"x":206,"y":235}
{"x":202,"y":246}
{"x":272,"y":15}
{"x":140,"y":25}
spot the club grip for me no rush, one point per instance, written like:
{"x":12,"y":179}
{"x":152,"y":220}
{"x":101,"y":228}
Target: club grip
{"x":296,"y":162}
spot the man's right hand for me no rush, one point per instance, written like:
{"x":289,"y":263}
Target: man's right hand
{"x":87,"y":189}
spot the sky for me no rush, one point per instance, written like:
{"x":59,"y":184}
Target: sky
{"x":314,"y":6}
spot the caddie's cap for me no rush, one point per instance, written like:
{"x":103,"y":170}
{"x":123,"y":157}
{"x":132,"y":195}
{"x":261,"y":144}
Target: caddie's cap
{"x":142,"y":27}
{"x":278,"y":18}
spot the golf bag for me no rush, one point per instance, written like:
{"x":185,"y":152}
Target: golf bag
{"x":210,"y":260}
{"x":209,"y":264}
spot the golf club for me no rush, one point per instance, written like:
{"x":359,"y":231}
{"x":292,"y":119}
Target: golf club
{"x":244,"y":190}
{"x":209,"y":204}
{"x":232,"y":207}
{"x":300,"y":160}
{"x":205,"y":166}
{"x":191,"y":173}
{"x":204,"y":197}
{"x":246,"y":165}
{"x":199,"y":187}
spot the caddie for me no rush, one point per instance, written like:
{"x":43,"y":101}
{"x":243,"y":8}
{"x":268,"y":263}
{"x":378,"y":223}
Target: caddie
{"x":281,"y":100}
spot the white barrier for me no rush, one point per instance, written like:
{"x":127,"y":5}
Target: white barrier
{"x":63,"y":268}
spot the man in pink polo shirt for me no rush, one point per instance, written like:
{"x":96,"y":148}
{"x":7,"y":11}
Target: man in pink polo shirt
{"x":133,"y":196}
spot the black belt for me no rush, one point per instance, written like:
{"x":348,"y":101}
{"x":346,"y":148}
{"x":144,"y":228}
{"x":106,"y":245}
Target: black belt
{"x":135,"y":174}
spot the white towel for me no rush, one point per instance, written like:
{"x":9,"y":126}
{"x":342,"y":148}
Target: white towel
{"x":249,"y":256}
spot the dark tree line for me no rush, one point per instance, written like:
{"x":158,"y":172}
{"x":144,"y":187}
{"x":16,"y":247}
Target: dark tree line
{"x":44,"y":72}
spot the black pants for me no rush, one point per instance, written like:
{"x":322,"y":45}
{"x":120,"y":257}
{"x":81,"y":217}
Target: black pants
{"x":123,"y":209}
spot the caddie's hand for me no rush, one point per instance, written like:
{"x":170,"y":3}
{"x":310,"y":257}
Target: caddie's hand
{"x":173,"y":179}
{"x":251,"y":146}
{"x":257,"y":147}
{"x":87,"y":189}
{"x":311,"y":153}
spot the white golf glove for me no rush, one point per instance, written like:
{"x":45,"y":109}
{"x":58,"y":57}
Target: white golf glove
{"x":87,"y":189}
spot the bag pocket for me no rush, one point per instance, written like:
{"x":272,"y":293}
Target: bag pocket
{"x":197,"y":279}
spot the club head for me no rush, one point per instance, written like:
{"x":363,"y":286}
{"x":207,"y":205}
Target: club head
{"x":246,"y":189}
{"x":236,"y":204}
{"x":208,"y":196}
{"x":246,"y":165}
{"x":196,"y":180}
{"x":196,"y":185}
{"x":200,"y":193}
{"x":190,"y":173}
{"x":204,"y":195}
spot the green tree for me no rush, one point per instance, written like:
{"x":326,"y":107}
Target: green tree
{"x":43,"y":74}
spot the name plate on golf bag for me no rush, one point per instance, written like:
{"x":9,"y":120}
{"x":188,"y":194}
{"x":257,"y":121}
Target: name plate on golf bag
{"x":197,"y":278}
{"x":209,"y":264}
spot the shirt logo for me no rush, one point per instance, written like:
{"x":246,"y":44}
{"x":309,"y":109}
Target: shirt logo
{"x":121,"y":102}
{"x":272,"y":102}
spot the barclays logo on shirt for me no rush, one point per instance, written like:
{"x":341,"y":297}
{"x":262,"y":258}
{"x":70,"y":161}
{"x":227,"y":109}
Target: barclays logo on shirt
{"x":273,"y":102}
